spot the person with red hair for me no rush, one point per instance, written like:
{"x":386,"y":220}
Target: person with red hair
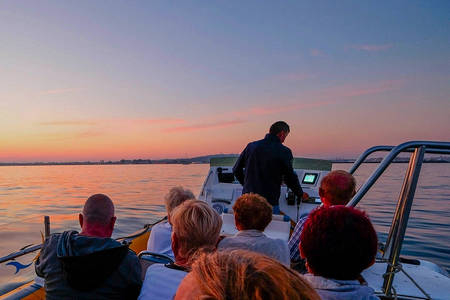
{"x":338,"y":243}
{"x":336,"y":188}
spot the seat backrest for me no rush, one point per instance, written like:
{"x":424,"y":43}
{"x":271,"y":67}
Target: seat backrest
{"x":147,"y":258}
{"x":279,"y":228}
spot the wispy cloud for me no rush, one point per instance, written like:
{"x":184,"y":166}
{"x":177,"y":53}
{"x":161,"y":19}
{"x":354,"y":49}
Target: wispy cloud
{"x":295,"y":76}
{"x":59,"y":91}
{"x":368,"y":89}
{"x":157,"y":121}
{"x":204,"y":126}
{"x":68,"y":123}
{"x":321,"y":98}
{"x":316,"y":53}
{"x":113,"y":121}
{"x":270,"y":110}
{"x":372,"y":48}
{"x":89,"y":134}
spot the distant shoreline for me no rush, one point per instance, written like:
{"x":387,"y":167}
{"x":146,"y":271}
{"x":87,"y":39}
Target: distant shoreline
{"x":194,"y":160}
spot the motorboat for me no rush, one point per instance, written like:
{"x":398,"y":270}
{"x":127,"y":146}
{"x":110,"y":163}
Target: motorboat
{"x":392,"y":276}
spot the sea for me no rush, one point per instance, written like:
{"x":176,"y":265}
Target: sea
{"x":28,"y":193}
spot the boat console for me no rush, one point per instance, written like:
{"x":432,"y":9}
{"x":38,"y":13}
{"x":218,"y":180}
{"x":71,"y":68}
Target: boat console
{"x":221,"y":188}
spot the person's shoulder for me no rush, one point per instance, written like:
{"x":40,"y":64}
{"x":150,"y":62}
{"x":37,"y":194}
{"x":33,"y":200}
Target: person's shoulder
{"x":275,"y":241}
{"x":162,"y":271}
{"x":163,"y":226}
{"x":285,"y":149}
{"x":225,"y":241}
{"x":131,"y":257}
{"x":50,"y":243}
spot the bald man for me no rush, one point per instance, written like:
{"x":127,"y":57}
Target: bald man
{"x":336,"y":188}
{"x":89,"y":264}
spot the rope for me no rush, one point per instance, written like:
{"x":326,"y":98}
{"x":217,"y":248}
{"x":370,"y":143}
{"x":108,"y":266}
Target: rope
{"x":398,"y":268}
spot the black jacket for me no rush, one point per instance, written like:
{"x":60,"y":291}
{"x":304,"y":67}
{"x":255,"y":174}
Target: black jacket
{"x":263,"y":165}
{"x":82,"y":267}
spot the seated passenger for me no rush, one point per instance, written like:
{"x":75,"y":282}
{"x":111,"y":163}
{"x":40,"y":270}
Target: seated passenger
{"x":159,"y":240}
{"x":336,"y":188}
{"x":338,"y":243}
{"x":243,"y":275}
{"x":89,"y":265}
{"x":196,"y":228}
{"x":252,"y":214}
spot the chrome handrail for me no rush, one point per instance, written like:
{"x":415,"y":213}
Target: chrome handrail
{"x":371,"y":150}
{"x":431,"y":147}
{"x":399,"y":223}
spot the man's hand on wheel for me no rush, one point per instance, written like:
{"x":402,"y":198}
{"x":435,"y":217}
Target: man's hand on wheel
{"x":305,"y":196}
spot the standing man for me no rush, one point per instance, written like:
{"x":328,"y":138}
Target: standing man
{"x":264,"y":164}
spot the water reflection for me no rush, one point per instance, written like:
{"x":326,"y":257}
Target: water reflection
{"x":27,"y":193}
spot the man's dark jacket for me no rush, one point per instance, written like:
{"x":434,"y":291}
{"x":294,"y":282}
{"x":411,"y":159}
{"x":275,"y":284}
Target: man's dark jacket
{"x":81,"y":267}
{"x":263,"y":165}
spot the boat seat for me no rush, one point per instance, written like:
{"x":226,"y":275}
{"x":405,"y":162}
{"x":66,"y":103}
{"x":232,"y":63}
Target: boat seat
{"x":278,"y":228}
{"x":148,"y":258}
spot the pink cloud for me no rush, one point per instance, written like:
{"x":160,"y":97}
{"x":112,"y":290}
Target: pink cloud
{"x":372,"y":48}
{"x":204,"y":126}
{"x":68,"y":123}
{"x":369,"y":89}
{"x":158,"y":121}
{"x":89,"y":134}
{"x":59,"y":91}
{"x":296,"y":76}
{"x":317,"y":53}
{"x":114,"y":121}
{"x":325,"y":97}
{"x":269,"y":110}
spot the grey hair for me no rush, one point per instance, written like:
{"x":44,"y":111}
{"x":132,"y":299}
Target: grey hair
{"x":176,"y":196}
{"x":98,"y":209}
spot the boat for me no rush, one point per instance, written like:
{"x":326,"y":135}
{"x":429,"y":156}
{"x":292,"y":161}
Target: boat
{"x":392,"y":276}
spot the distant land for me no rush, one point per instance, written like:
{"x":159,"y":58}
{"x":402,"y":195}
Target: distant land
{"x":199,"y":160}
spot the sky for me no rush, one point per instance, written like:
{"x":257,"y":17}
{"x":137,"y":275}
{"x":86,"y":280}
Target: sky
{"x":110,"y":80}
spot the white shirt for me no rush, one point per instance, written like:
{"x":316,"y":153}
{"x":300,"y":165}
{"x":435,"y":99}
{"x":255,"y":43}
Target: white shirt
{"x":257,"y":241}
{"x":160,"y":239}
{"x":161,"y":282}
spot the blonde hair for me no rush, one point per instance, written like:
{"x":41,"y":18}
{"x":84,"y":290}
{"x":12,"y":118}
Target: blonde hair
{"x":196,"y":226}
{"x":252,"y":211}
{"x":175,"y":197}
{"x":246,"y":275}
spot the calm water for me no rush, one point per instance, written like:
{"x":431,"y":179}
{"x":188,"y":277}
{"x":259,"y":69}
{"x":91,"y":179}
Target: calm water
{"x":30,"y":192}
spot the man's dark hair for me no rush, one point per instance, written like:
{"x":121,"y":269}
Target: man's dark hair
{"x":278,"y":127}
{"x":338,"y":242}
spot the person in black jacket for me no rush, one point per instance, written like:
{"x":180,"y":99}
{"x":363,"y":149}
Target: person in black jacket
{"x":89,"y":264}
{"x":264,"y":164}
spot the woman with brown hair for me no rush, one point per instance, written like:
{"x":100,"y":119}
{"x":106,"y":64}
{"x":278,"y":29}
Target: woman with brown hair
{"x":245,"y":275}
{"x":252,"y":214}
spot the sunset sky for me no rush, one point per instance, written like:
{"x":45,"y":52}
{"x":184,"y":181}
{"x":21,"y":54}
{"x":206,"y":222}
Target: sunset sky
{"x":92,"y":80}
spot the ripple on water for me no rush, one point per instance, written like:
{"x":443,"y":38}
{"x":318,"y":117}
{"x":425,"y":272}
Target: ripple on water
{"x":138,"y":191}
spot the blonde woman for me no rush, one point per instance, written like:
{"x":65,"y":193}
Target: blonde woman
{"x":159,"y":240}
{"x":196,"y":228}
{"x":244,"y":275}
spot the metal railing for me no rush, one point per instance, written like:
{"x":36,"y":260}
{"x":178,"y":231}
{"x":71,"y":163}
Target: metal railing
{"x":399,"y":223}
{"x":430,"y":147}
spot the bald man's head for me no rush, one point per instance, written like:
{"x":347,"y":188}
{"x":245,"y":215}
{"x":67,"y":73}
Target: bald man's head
{"x":98,"y":209}
{"x":337,"y":188}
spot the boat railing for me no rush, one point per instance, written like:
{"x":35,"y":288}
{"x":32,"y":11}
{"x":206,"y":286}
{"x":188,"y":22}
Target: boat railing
{"x":32,"y":248}
{"x":394,"y":241}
